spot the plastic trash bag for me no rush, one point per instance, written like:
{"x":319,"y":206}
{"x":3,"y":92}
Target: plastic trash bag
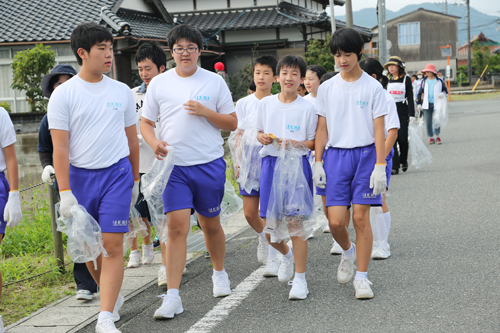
{"x":154,"y":182}
{"x":379,"y":227}
{"x":84,"y":235}
{"x":290,"y":211}
{"x":231,"y":203}
{"x":418,"y":151}
{"x":136,"y":226}
{"x":321,"y":220}
{"x":440,"y":114}
{"x":158,"y":217}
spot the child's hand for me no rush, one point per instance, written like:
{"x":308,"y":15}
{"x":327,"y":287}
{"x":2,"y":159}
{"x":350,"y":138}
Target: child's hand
{"x":196,"y":108}
{"x":264,"y":138}
{"x":288,"y":142}
{"x":159,"y":149}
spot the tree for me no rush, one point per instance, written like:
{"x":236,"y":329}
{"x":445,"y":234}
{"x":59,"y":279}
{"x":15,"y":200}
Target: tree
{"x":318,"y":53}
{"x":480,"y":57}
{"x":28,"y":68}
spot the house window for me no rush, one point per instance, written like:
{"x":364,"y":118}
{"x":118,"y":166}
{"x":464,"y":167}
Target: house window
{"x":409,"y":33}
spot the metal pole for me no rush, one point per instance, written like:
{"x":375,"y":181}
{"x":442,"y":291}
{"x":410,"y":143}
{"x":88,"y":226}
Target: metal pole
{"x":446,"y":6}
{"x":348,"y":14}
{"x":382,"y":33}
{"x":332,"y":17}
{"x":469,"y":50}
{"x":56,"y":235}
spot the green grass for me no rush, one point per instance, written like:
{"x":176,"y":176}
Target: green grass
{"x":472,"y":97}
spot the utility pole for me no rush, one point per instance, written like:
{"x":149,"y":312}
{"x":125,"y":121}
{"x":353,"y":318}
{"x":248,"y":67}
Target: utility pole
{"x":332,"y":17}
{"x":446,"y":6}
{"x":348,"y":14}
{"x":382,"y":33}
{"x":469,"y":50}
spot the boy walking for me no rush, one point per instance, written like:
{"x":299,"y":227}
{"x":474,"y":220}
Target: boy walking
{"x":96,"y":156}
{"x":351,"y":108}
{"x":193,"y":106}
{"x":288,"y":117}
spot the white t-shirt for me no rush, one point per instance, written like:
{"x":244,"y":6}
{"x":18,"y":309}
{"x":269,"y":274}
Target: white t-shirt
{"x":246,"y":109}
{"x":146,"y":153}
{"x":391,"y":120}
{"x":95,"y":114}
{"x":310,"y":99}
{"x":295,"y":121}
{"x":195,"y":139}
{"x":7,"y":136}
{"x":349,"y":109}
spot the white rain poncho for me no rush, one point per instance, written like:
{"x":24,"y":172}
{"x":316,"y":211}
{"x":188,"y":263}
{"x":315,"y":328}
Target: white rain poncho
{"x":231,"y":203}
{"x":440,"y":114}
{"x":136,"y":226}
{"x":84,"y":235}
{"x":418,"y":151}
{"x":290,"y":212}
{"x":247,"y":161}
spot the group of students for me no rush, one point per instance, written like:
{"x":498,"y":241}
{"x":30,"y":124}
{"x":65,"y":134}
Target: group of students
{"x":105,"y":135}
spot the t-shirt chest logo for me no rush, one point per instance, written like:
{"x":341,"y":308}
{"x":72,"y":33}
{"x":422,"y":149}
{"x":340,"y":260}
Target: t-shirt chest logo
{"x":362,"y":104}
{"x":113,"y":105}
{"x":293,"y":128}
{"x":396,"y":92}
{"x":202,"y":98}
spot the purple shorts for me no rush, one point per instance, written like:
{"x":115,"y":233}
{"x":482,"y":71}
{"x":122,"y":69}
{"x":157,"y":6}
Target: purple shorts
{"x":266,"y":180}
{"x":254,"y":193}
{"x":348,"y":174}
{"x":199,"y":187}
{"x":388,"y":167}
{"x":105,"y":193}
{"x":4,"y":196}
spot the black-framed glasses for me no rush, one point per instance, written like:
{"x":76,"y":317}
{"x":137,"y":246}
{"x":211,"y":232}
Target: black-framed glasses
{"x":180,"y":50}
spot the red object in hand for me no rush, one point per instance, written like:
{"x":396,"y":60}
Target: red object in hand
{"x":219,"y":66}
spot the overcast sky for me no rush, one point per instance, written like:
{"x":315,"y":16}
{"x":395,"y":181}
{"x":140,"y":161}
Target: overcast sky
{"x":490,"y":7}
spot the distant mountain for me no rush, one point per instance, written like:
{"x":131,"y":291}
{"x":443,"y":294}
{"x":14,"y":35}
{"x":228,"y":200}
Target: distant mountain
{"x":479,"y":22}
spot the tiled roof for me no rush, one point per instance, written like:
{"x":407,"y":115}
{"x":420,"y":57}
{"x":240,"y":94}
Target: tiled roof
{"x":42,"y":20}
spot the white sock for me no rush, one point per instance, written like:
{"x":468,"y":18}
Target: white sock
{"x":272,"y":253}
{"x":387,"y":217}
{"x":262,"y":236}
{"x":173,"y":292}
{"x":300,"y":276}
{"x":163,"y":267}
{"x":103,"y":315}
{"x":220,"y":273}
{"x":349,"y":253}
{"x":289,"y":254}
{"x":361,"y":275}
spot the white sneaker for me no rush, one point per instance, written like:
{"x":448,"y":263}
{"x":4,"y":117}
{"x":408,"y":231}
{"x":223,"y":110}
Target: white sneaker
{"x":118,"y":305}
{"x":162,"y":277}
{"x":272,"y":267}
{"x":383,"y":251}
{"x":106,"y":326}
{"x":336,"y":249}
{"x":299,"y":289}
{"x":172,"y":305}
{"x":285,"y":273}
{"x":363,"y":289}
{"x":222,"y":285}
{"x":148,"y":254}
{"x":262,"y":250}
{"x":345,"y":272}
{"x":134,"y":259}
{"x":326,"y":229}
{"x":84,"y":295}
{"x":2,"y":329}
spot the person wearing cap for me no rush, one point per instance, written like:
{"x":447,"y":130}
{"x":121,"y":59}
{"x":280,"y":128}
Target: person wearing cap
{"x":431,"y":88}
{"x":400,"y":88}
{"x":85,"y":284}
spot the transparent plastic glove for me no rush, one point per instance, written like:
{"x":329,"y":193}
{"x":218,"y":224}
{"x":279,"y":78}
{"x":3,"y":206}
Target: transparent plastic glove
{"x":412,"y":120}
{"x":68,"y":200}
{"x":319,"y":175}
{"x":47,"y":173}
{"x":12,"y":212}
{"x":141,"y":140}
{"x":378,"y":179}
{"x":135,"y":193}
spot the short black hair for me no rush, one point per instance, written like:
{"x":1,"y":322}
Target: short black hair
{"x":347,"y":40}
{"x":372,"y":66}
{"x":252,"y":86}
{"x":327,"y":77}
{"x":191,"y":34}
{"x":319,"y":70}
{"x":266,"y":60}
{"x":152,"y":51}
{"x":415,"y":76}
{"x":87,"y":35}
{"x":292,"y":61}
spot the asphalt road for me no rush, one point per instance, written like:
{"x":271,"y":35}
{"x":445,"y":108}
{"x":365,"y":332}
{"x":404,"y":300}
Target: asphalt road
{"x":442,"y":275}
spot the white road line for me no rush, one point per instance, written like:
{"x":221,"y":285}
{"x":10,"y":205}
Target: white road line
{"x":229,"y":303}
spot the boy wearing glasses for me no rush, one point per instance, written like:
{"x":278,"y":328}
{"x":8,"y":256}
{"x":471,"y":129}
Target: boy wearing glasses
{"x":193,"y":105}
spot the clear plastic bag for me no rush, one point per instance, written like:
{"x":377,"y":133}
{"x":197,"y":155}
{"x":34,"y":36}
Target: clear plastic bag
{"x":440,"y":114}
{"x":231,"y":203}
{"x":154,"y":182}
{"x":379,"y":227}
{"x":158,"y":217}
{"x":321,"y":220}
{"x":418,"y":152}
{"x":84,"y":235}
{"x":136,"y":226}
{"x":290,"y":211}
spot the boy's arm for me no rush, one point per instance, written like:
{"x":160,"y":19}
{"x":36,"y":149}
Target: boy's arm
{"x":133,"y":146}
{"x":12,"y":212}
{"x":321,"y":138}
{"x":391,"y":139}
{"x":225,"y":122}
{"x":60,"y":141}
{"x":12,"y":170}
{"x":148,"y":134}
{"x":379,"y":139}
